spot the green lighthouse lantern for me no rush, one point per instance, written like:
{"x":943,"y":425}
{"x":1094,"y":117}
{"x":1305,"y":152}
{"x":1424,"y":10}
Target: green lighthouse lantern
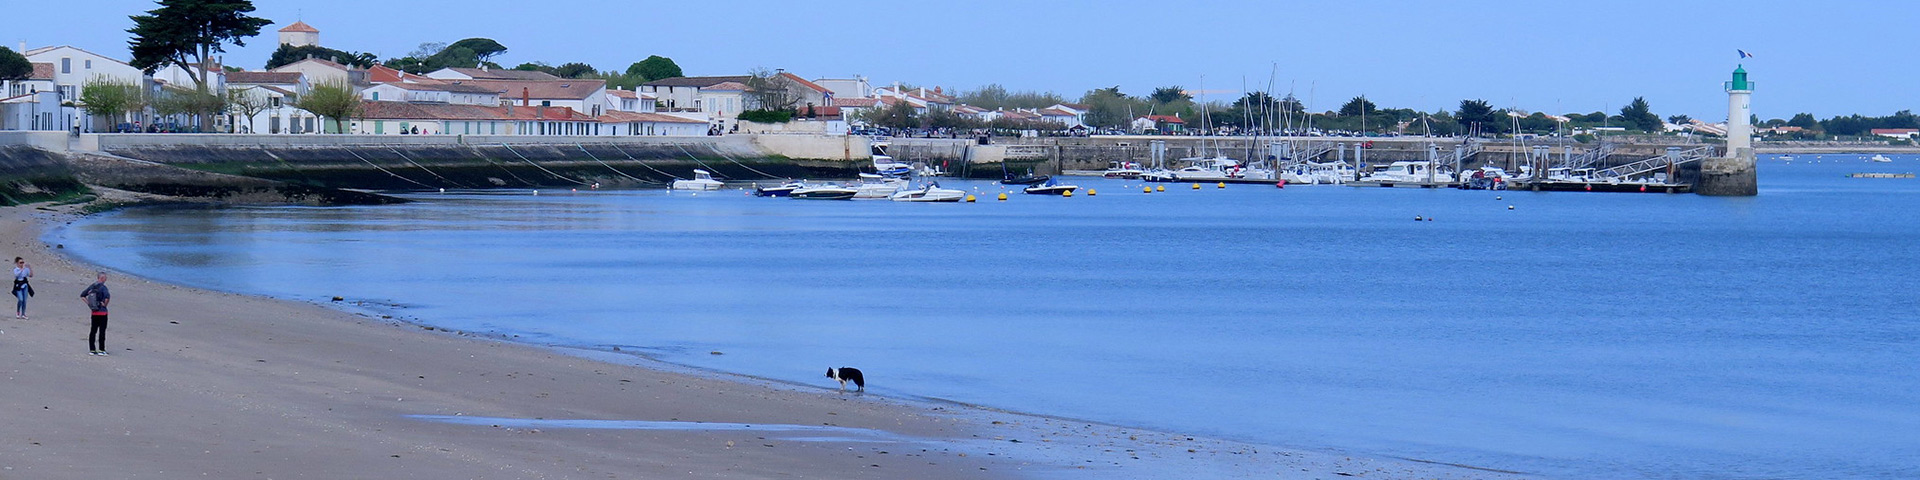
{"x":1739,"y":82}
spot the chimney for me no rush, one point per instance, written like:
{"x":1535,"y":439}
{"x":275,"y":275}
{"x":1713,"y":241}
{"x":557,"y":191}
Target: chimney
{"x":23,"y":47}
{"x":526,"y":97}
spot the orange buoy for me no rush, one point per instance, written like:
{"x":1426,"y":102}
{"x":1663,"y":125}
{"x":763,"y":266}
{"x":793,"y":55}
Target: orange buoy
{"x":1280,"y":184}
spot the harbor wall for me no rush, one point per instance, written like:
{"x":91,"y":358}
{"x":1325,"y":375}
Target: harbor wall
{"x":29,"y":175}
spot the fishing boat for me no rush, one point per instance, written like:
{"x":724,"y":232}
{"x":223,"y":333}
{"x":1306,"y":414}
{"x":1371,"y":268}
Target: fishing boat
{"x":1050,"y":188}
{"x":702,"y":180}
{"x":929,"y":193}
{"x":781,"y":190}
{"x":876,"y":186}
{"x":824,"y":192}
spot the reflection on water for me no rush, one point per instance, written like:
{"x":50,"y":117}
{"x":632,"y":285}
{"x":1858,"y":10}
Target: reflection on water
{"x":1578,"y":335}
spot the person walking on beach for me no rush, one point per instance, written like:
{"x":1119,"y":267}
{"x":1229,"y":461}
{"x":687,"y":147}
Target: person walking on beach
{"x":21,"y":288}
{"x":97,"y":297}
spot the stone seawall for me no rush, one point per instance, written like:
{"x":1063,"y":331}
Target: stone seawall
{"x":29,"y":175}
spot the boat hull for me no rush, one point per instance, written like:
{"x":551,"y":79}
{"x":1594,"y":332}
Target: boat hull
{"x":1053,"y":190}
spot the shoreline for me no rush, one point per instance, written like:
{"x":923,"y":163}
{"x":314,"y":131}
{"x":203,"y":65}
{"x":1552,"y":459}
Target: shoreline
{"x":498,"y":377}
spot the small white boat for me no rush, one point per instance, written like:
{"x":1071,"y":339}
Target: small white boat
{"x":702,"y":180}
{"x":930,"y":193}
{"x":1880,"y":158}
{"x":875,"y":186}
{"x":1126,"y":170}
{"x":1407,"y":174}
{"x":884,"y":163}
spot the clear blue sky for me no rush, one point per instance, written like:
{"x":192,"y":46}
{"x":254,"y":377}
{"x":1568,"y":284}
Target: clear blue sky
{"x":1819,"y":57}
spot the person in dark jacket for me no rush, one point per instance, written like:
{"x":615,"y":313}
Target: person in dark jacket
{"x":97,"y":298}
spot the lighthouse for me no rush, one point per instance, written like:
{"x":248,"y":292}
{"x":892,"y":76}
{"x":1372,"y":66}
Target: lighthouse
{"x":1732,"y":175}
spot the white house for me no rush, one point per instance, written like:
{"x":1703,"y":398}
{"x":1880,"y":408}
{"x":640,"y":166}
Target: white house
{"x":619,"y":100}
{"x":681,"y":94}
{"x":41,"y":80}
{"x":35,"y":111}
{"x":73,"y":67}
{"x":619,"y":123}
{"x":722,"y":101}
{"x":321,"y":71}
{"x":276,"y":92}
{"x":450,"y":93}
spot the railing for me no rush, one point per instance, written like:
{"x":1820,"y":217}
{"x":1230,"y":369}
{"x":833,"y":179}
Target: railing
{"x":1672,"y":158}
{"x":1591,"y":156}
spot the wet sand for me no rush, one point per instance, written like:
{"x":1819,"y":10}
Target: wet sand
{"x":220,"y":385}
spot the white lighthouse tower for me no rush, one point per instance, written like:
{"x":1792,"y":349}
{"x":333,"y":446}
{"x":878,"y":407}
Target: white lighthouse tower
{"x":1733,"y":174}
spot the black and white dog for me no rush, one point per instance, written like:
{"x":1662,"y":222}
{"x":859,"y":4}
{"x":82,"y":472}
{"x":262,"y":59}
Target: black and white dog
{"x":848,"y":374}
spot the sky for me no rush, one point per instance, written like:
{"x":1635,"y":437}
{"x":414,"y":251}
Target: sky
{"x":1825,"y":58}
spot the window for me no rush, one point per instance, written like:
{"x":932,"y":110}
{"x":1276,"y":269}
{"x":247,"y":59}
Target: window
{"x":88,"y":64}
{"x":546,"y":103}
{"x":376,"y":96}
{"x":66,"y":65}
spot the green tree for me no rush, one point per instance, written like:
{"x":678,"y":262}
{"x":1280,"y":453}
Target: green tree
{"x":13,"y":65}
{"x":482,"y":49}
{"x":900,"y":115}
{"x":244,"y":103}
{"x":1166,"y":95}
{"x":1477,"y":116}
{"x":1639,"y":116}
{"x":407,"y":64}
{"x":190,"y":33}
{"x":1359,"y":106}
{"x":111,"y":99}
{"x":1804,"y":120}
{"x":1108,"y":108}
{"x":332,"y":100}
{"x":534,"y":67}
{"x":574,"y":70}
{"x":1679,"y":119}
{"x":655,"y":67}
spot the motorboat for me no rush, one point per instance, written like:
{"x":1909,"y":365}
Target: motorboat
{"x":823,"y":192}
{"x":1126,"y":170}
{"x":1880,"y":158}
{"x":876,"y":186}
{"x":1050,"y":188}
{"x":1314,"y":173}
{"x":702,"y":180}
{"x":781,"y":190}
{"x":1487,"y":178}
{"x":929,"y":193}
{"x":1409,"y":174}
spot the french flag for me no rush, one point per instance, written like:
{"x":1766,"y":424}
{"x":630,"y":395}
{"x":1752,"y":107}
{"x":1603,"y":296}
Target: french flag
{"x":1743,"y":53}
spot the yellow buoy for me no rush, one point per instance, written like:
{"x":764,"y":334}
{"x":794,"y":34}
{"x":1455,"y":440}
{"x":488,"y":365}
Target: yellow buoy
{"x":1067,"y":193}
{"x":1003,"y":196}
{"x":1092,"y":192}
{"x":969,"y":198}
{"x":1223,"y":184}
{"x":1196,"y":186}
{"x":1159,"y":188}
{"x":1146,"y":189}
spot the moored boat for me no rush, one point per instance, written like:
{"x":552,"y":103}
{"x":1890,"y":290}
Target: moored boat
{"x":823,"y":192}
{"x":1050,"y":188}
{"x":702,"y":180}
{"x":781,"y":190}
{"x":929,"y":193}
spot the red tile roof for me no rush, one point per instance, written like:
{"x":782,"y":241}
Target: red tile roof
{"x":434,"y":111}
{"x":300,"y":27}
{"x":42,"y":71}
{"x":624,"y":94}
{"x":1895,"y":131}
{"x":1077,"y":106}
{"x":804,"y":83}
{"x":1055,"y":112}
{"x":726,"y":86}
{"x":1164,"y":118}
{"x":454,"y":87}
{"x":382,"y":74}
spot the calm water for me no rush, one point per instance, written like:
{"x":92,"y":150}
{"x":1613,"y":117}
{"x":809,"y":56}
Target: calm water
{"x":1576,"y":335}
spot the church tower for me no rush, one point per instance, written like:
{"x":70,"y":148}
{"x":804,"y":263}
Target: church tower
{"x":300,"y":34}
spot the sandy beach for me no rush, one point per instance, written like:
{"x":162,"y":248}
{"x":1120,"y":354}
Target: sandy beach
{"x":219,"y":385}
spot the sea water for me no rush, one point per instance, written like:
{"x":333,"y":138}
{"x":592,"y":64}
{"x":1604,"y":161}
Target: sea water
{"x":1575,"y":335}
